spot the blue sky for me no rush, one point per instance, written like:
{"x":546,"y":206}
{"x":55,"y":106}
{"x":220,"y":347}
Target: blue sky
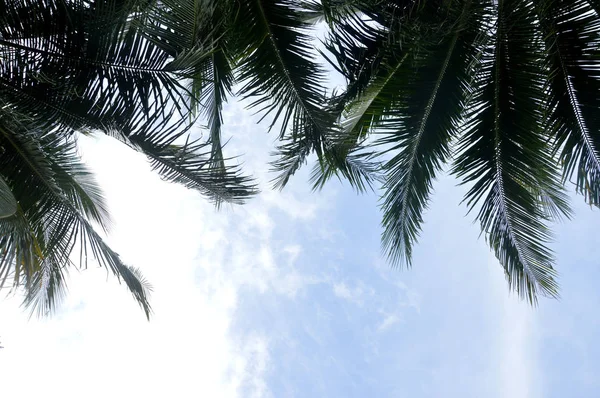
{"x":289,"y":296}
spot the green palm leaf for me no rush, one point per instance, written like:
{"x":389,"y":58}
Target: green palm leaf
{"x":356,"y":165}
{"x":433,"y":87}
{"x":119,"y":77}
{"x":278,"y":72}
{"x":42,"y":170}
{"x":572,"y":33}
{"x":195,"y":34}
{"x":82,"y":66}
{"x":504,"y":148}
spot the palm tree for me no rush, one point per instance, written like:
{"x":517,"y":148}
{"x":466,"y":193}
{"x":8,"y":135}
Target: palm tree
{"x":58,"y":200}
{"x":76,"y":67}
{"x":503,"y":93}
{"x":141,"y":71}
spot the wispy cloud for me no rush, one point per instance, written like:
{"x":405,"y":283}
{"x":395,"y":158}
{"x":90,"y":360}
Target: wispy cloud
{"x":355,"y":294}
{"x":388,"y":321}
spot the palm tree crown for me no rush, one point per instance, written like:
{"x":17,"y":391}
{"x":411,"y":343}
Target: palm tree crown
{"x":503,"y":93}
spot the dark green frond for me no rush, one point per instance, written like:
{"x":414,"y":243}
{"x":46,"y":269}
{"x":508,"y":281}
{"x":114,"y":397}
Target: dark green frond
{"x":290,"y":156}
{"x":503,"y":151}
{"x":191,"y":165}
{"x":46,"y":288}
{"x":572,"y":37}
{"x":412,"y":106}
{"x":75,"y":179}
{"x":77,"y":65}
{"x":279,"y":74}
{"x":51,"y":222}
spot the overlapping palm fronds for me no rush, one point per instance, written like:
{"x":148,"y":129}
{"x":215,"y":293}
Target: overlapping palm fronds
{"x":504,"y":91}
{"x":84,"y":67}
{"x":58,"y":203}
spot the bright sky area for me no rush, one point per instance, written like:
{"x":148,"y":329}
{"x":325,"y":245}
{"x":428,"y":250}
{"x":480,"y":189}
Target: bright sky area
{"x":290,"y":296}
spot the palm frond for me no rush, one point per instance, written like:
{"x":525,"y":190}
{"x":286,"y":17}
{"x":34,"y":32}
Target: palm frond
{"x":358,"y":166}
{"x":279,"y":74}
{"x":357,"y":41}
{"x":572,"y":36}
{"x":504,"y":148}
{"x":51,"y":221}
{"x":190,"y":164}
{"x":79,"y":65}
{"x":412,"y":103}
{"x":195,"y":34}
{"x":46,"y":288}
{"x":75,"y":179}
{"x":428,"y":116}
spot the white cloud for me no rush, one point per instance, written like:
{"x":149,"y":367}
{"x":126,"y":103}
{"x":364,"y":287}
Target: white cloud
{"x":197,"y":258}
{"x":342,"y":291}
{"x":355,"y":294}
{"x":388,"y":321}
{"x":252,"y":367}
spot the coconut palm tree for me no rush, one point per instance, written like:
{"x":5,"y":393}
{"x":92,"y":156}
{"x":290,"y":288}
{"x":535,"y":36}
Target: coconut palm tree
{"x":497,"y":90}
{"x":58,"y":203}
{"x":76,"y":67}
{"x":502,"y":93}
{"x":262,"y":52}
{"x":141,"y":71}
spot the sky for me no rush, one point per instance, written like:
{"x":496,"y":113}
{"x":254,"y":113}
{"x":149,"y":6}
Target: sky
{"x":290,"y":296}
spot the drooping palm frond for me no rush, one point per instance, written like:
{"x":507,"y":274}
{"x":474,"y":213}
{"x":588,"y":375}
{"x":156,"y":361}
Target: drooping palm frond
{"x":357,"y":166}
{"x":421,"y":74}
{"x":278,"y":72}
{"x":572,"y":36}
{"x":359,"y":47}
{"x":195,"y":34}
{"x":215,"y":81}
{"x":412,"y":105}
{"x":97,"y":67}
{"x":75,"y":179}
{"x":375,"y":45}
{"x":356,"y":43}
{"x":68,"y":66}
{"x":191,"y":165}
{"x":82,"y":65}
{"x":419,"y":130}
{"x":46,"y":288}
{"x":51,"y":223}
{"x":504,"y":148}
